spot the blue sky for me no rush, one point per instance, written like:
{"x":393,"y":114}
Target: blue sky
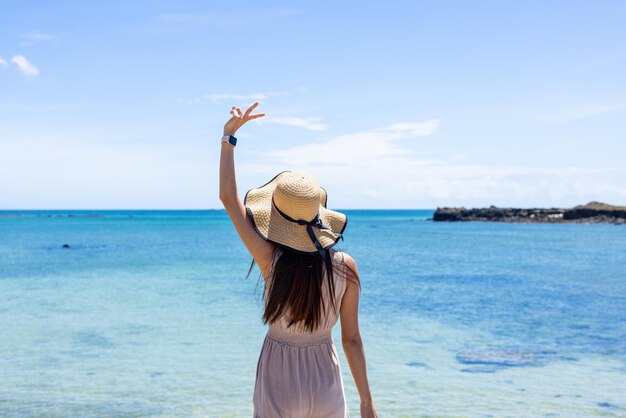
{"x":389,"y":104}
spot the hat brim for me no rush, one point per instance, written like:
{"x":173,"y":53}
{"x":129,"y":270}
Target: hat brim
{"x":272,"y":226}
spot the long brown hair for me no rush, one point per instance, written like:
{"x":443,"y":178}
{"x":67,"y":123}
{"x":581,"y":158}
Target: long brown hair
{"x":295,"y":287}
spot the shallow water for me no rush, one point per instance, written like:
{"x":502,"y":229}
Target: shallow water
{"x":149,"y":314}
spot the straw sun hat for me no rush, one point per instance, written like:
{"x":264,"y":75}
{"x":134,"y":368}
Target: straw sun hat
{"x":291,"y":210}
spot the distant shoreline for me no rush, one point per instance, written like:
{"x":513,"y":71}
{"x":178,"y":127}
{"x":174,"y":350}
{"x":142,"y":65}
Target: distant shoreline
{"x":591,"y":213}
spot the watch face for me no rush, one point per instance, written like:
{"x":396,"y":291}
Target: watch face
{"x":232,"y":140}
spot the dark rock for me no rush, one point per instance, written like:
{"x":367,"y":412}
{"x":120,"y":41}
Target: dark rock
{"x":593,"y":212}
{"x":449,"y":214}
{"x":595,"y":209}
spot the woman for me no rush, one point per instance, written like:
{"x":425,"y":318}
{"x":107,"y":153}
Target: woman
{"x":308,"y":285}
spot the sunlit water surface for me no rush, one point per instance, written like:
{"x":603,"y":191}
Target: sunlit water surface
{"x":149,"y":314}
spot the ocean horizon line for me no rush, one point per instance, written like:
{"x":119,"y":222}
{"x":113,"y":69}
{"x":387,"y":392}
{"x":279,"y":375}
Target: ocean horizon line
{"x":190,"y":210}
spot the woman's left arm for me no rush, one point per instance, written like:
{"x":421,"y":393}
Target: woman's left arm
{"x":259,"y":248}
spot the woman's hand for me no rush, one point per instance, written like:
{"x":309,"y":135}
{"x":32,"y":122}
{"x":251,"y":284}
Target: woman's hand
{"x":368,"y":411}
{"x":240,"y":118}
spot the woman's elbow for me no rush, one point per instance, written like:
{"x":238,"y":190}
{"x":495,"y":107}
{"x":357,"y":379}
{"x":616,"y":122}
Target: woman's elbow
{"x":225,"y":199}
{"x":351,"y":340}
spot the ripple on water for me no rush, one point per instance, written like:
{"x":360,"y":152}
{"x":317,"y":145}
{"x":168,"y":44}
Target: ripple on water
{"x":607,"y":405}
{"x":92,"y":339}
{"x":418,"y":364}
{"x":490,"y":361}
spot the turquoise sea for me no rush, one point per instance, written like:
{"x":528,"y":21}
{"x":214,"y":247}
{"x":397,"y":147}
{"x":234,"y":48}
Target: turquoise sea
{"x":148,"y":314}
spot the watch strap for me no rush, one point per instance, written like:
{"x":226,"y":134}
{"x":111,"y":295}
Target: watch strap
{"x":230,"y":139}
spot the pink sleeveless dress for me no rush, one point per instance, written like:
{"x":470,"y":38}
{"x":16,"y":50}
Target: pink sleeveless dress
{"x":298,"y":373}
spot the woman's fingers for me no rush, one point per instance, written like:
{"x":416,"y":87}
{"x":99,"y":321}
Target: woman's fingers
{"x":251,"y":108}
{"x":236,"y":112}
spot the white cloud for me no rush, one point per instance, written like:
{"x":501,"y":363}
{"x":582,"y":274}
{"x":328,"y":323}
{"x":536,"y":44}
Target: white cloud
{"x":137,"y":166}
{"x":222,"y":97}
{"x":356,"y":149}
{"x":559,"y":110}
{"x":3,"y":63}
{"x":103,"y":167}
{"x":174,"y":22}
{"x":219,"y":97}
{"x":371,"y":169}
{"x":31,"y":38}
{"x":312,"y":123}
{"x":571,"y":113}
{"x":406,"y":182}
{"x":25,"y":66}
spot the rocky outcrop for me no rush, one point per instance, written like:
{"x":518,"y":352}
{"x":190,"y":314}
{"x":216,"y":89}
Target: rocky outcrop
{"x":593,"y":212}
{"x":595,"y":209}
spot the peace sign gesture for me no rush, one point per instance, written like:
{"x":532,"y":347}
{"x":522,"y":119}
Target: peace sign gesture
{"x":240,"y":118}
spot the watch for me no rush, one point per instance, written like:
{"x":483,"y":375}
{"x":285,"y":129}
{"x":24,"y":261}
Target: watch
{"x":230,"y":139}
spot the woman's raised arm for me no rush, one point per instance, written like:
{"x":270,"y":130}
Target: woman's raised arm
{"x":260,"y":249}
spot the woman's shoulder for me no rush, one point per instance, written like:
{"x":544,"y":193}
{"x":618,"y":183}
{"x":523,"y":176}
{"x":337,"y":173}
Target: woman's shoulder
{"x":344,"y":257}
{"x":345,"y":262}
